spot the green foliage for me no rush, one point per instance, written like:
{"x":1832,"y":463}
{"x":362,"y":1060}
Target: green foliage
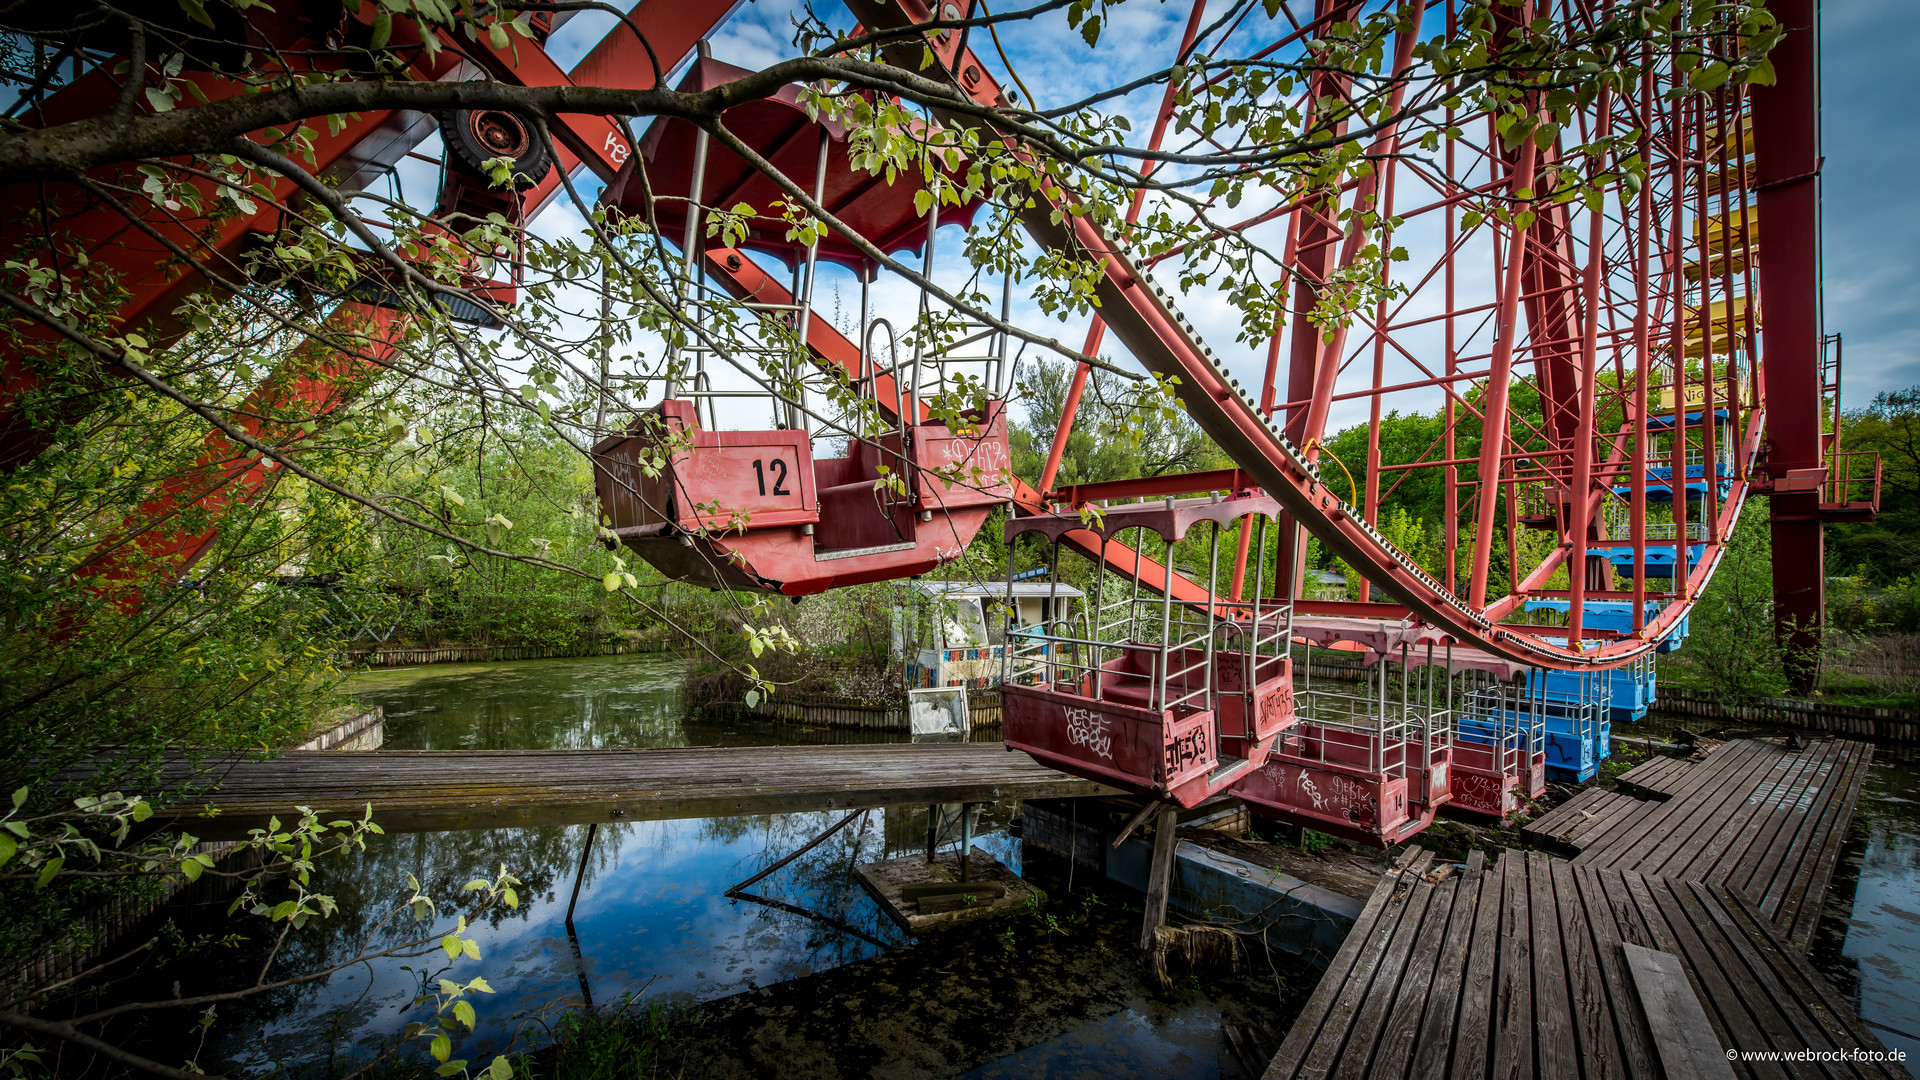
{"x":1881,"y":552}
{"x":1730,"y":648}
{"x":525,"y":492}
{"x":1121,"y":429}
{"x":103,"y":643}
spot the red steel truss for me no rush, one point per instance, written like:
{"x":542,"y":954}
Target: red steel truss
{"x":1616,"y":356}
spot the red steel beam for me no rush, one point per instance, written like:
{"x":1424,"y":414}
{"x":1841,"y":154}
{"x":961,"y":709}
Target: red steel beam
{"x":1145,"y":319}
{"x":1786,"y":133}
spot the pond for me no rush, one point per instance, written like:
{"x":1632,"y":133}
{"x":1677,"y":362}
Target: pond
{"x":1869,"y":940}
{"x":784,"y":982}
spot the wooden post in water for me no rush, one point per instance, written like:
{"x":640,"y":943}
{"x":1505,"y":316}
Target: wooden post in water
{"x":1160,"y":878}
{"x":966,"y":840}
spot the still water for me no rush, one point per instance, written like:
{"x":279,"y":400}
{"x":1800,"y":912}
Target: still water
{"x":651,"y":922}
{"x":1869,"y":939}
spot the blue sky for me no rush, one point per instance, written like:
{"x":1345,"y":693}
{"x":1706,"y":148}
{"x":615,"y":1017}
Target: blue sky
{"x":1870,"y":132}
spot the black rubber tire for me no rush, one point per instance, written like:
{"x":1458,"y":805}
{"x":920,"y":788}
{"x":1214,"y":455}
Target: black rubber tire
{"x":476,"y":136}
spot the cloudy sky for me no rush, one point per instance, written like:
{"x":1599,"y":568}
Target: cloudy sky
{"x":1872,"y":234}
{"x":1870,"y":117}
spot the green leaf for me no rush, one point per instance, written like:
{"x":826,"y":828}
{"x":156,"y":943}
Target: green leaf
{"x":192,"y":869}
{"x":470,"y":947}
{"x":463,"y":1012}
{"x":479,"y":984}
{"x":611,"y":582}
{"x":19,"y":798}
{"x":197,"y":11}
{"x":451,"y":945}
{"x":48,"y":871}
{"x":8,"y":845}
{"x":1711,"y":76}
{"x":441,"y":1047}
{"x":382,"y":29}
{"x":500,"y":1070}
{"x":281,"y":910}
{"x":497,"y":36}
{"x":753,"y":699}
{"x":450,"y":1068}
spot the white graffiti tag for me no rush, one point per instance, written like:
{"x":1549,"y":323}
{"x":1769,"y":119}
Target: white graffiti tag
{"x":1089,"y":729}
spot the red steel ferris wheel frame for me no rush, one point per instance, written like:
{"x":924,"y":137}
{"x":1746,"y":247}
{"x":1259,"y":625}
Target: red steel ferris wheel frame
{"x":1560,"y":297}
{"x":1273,"y":431}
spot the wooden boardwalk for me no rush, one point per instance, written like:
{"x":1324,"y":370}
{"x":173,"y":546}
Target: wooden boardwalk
{"x":1539,"y":967}
{"x":1752,"y":815}
{"x":426,"y":790}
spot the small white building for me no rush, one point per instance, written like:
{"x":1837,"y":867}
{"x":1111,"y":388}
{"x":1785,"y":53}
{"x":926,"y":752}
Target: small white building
{"x":956,"y":636}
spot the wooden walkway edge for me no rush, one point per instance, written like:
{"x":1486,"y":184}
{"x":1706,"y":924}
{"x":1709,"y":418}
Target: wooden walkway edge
{"x":431,"y":790}
{"x":1759,"y":816}
{"x":1522,"y":970}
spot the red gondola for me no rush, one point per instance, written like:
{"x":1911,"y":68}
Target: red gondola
{"x":1372,"y":764}
{"x":758,"y":509}
{"x":1151,"y":696}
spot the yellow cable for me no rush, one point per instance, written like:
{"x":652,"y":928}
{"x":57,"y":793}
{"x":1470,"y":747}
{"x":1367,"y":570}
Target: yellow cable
{"x":1353,"y":489}
{"x":1032,"y":102}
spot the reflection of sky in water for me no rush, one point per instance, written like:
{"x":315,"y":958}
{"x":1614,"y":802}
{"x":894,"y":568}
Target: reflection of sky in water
{"x":652,"y":919}
{"x":1884,"y":936}
{"x":1138,"y":1041}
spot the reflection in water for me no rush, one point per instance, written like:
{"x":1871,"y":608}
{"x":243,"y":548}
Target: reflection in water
{"x":651,"y":916}
{"x":1882,"y":932}
{"x":586,"y":704}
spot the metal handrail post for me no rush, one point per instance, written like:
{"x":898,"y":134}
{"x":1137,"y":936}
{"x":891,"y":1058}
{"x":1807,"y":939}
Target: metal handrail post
{"x":689,"y":241}
{"x":1213,"y":622}
{"x":1166,"y":622}
{"x":1099,"y":612}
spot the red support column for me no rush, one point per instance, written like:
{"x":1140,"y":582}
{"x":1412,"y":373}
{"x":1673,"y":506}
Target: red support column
{"x":1787,"y":172}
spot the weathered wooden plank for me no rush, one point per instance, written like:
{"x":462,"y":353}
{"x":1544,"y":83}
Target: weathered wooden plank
{"x":1357,"y":1057}
{"x":1807,"y":986}
{"x":1595,"y":1045}
{"x":1436,"y":1039}
{"x":1793,"y":905}
{"x":1742,"y":830}
{"x":1729,"y":1014}
{"x":1633,"y":843}
{"x":1685,"y":1040}
{"x":1637,"y":1057}
{"x":1394,"y":1050}
{"x":1572,"y":826}
{"x":1356,"y":954}
{"x":1775,"y":1028}
{"x":432,"y":790}
{"x":1557,"y":1049}
{"x":1688,"y":822}
{"x":1785,"y":1020}
{"x":1782,"y":832}
{"x":1474,"y":1044}
{"x":1513,"y":999}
